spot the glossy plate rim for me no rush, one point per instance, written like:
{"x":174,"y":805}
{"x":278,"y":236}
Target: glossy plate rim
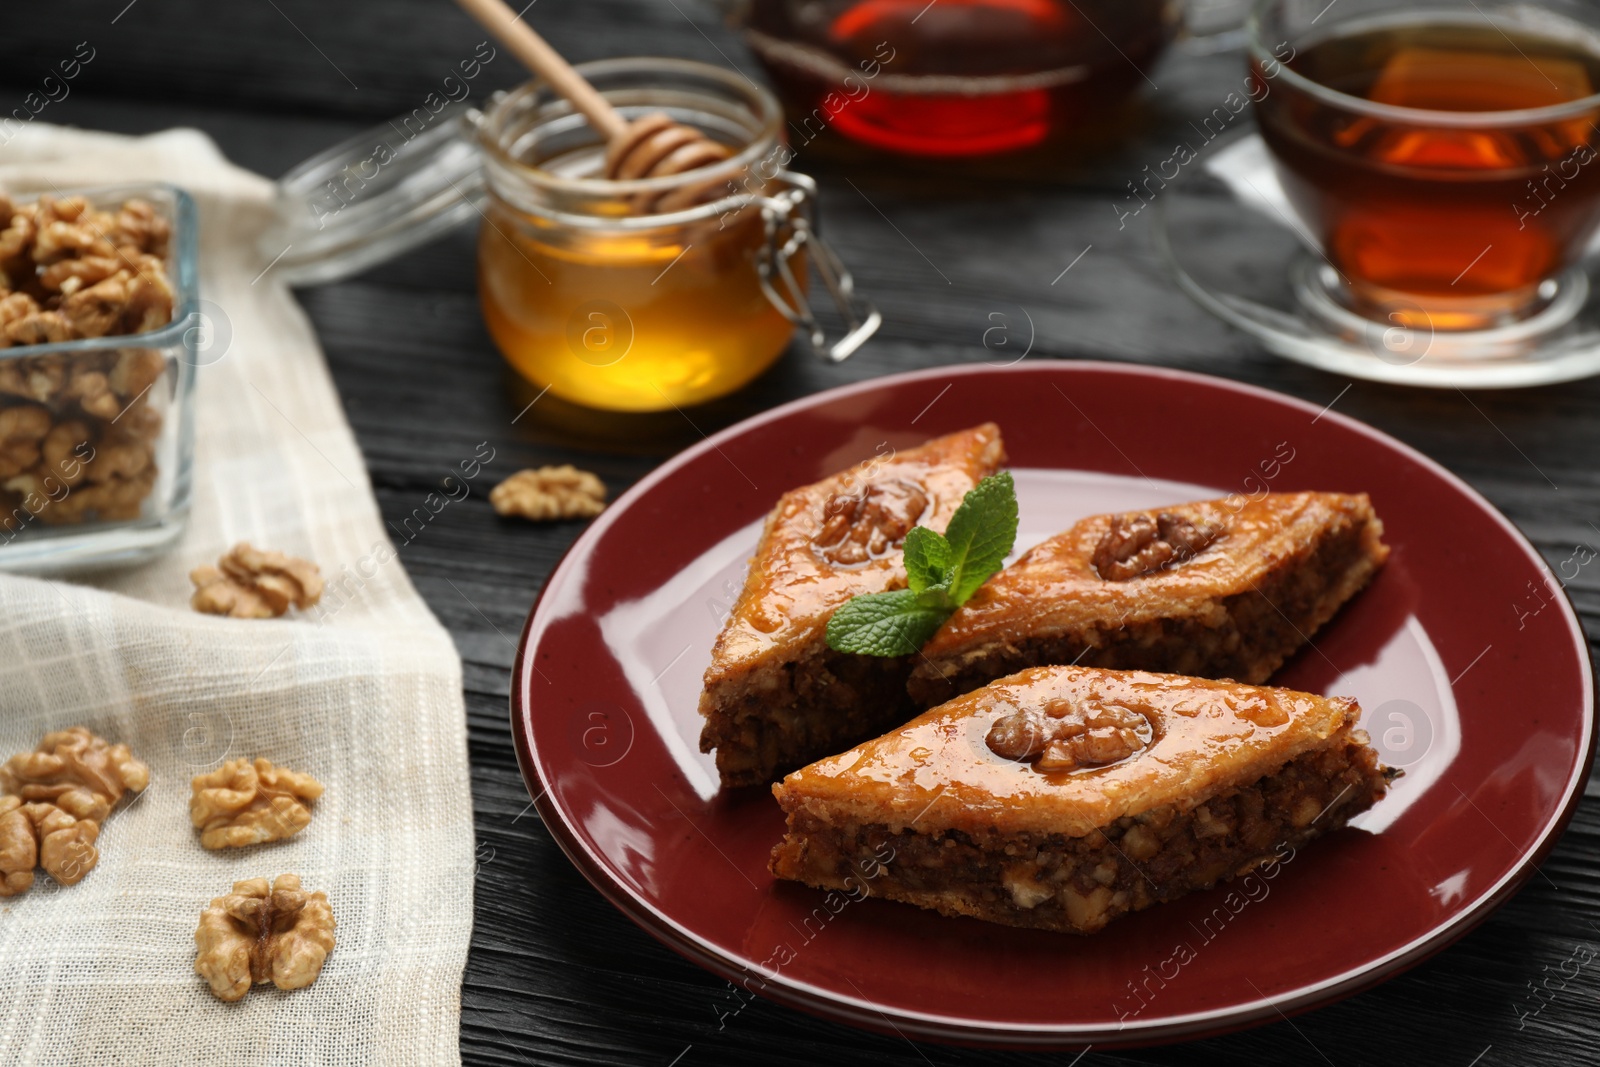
{"x":856,"y":1011}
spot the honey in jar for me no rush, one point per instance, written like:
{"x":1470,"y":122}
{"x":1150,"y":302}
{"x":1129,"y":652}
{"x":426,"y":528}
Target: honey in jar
{"x":624,"y":311}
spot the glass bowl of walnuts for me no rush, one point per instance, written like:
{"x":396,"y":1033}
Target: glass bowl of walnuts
{"x":100,"y":334}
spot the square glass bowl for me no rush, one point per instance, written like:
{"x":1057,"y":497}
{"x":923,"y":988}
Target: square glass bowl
{"x":105,"y":489}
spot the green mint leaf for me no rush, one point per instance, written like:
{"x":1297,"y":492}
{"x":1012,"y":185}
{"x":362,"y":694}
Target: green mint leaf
{"x":981,"y":534}
{"x":942,"y":572}
{"x":883,"y":624}
{"x":927,"y":559}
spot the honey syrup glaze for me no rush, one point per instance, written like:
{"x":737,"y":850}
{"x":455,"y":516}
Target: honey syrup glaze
{"x":1056,"y":583}
{"x":1204,"y":737}
{"x":807,"y":564}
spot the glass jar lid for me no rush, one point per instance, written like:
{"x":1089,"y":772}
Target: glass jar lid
{"x":382,"y":192}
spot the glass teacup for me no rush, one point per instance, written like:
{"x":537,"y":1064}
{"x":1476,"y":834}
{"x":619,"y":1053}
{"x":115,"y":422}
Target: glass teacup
{"x":1442,"y":155}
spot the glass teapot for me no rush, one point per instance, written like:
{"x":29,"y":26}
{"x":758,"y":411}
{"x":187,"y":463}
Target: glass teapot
{"x":963,"y":77}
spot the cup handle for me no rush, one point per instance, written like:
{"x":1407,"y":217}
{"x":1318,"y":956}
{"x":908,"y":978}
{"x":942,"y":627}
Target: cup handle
{"x":789,"y":227}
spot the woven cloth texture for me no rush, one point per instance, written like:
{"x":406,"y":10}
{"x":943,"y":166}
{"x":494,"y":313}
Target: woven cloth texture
{"x":363,"y":692}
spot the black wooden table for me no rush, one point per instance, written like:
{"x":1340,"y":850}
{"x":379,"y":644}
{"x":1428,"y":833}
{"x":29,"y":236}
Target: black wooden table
{"x":556,"y":976}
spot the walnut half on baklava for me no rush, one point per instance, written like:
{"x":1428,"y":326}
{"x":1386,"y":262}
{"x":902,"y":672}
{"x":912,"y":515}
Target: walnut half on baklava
{"x":1213,"y":589}
{"x":776,"y":696}
{"x":1063,"y":797}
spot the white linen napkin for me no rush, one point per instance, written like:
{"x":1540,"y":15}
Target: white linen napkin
{"x":364,"y":693}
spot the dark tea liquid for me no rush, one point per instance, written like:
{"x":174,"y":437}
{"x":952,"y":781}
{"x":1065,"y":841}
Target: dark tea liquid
{"x":1442,"y":210}
{"x":1047,"y":65}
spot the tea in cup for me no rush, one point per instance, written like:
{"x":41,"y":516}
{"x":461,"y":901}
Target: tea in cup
{"x":1445,"y":156}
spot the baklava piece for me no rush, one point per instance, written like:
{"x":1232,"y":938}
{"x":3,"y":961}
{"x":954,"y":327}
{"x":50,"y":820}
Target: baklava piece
{"x":776,"y":696}
{"x":1063,"y":797}
{"x":1214,"y":589}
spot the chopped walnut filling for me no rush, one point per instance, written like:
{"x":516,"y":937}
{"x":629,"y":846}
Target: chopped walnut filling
{"x":243,"y":803}
{"x":260,"y":933}
{"x":52,"y":802}
{"x":867,"y":524}
{"x":1138,"y":543}
{"x":1065,"y":735}
{"x":251,"y":583}
{"x":550,"y":493}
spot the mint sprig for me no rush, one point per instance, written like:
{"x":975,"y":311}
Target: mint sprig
{"x":942,"y":572}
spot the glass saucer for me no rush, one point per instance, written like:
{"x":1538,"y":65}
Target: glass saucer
{"x":1236,"y":246}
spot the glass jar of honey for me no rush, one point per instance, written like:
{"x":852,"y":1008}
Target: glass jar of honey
{"x":585,"y":294}
{"x":619,"y":310}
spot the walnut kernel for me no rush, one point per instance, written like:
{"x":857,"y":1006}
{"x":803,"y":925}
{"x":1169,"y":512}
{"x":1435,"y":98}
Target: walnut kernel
{"x":1138,"y":543}
{"x":259,"y":933}
{"x":549,"y":493}
{"x":18,"y":236}
{"x":134,"y":372}
{"x":1066,"y":735}
{"x":39,"y":328}
{"x":250,"y":583}
{"x":243,"y":803}
{"x":52,"y":802}
{"x":22,"y":429}
{"x":19,"y":848}
{"x":867,"y":524}
{"x":70,"y":275}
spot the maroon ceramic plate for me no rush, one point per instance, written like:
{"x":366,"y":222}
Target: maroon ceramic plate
{"x":1470,"y":665}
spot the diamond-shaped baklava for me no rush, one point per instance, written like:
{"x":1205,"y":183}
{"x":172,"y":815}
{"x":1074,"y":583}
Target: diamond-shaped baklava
{"x":1215,"y":589}
{"x":776,"y":696}
{"x":1063,"y":797}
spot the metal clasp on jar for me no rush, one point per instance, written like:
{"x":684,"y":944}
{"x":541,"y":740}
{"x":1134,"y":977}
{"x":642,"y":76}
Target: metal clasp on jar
{"x":790,"y":228}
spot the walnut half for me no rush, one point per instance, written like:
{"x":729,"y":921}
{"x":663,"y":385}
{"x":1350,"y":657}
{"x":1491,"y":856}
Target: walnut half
{"x":1065,"y":735}
{"x":259,"y":933}
{"x":52,"y":802}
{"x":1138,"y":543}
{"x":550,"y":493}
{"x":249,"y":583}
{"x":867,"y":524}
{"x":243,"y":803}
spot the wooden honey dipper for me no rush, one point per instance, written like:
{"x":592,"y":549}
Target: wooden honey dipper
{"x":654,"y":146}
